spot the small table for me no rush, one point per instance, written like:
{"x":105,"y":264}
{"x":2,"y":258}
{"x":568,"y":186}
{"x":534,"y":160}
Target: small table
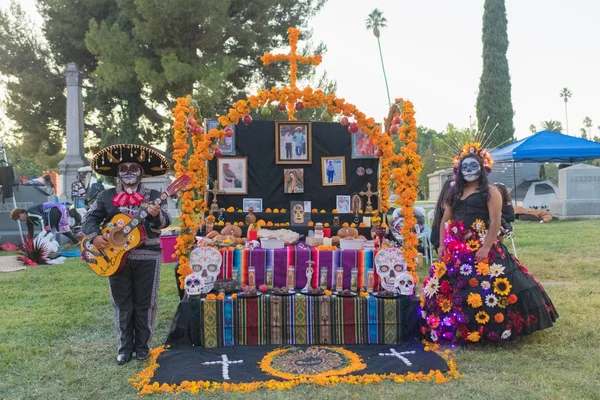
{"x":294,"y":320}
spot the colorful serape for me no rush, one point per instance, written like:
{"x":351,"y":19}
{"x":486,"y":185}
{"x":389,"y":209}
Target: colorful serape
{"x":297,"y":320}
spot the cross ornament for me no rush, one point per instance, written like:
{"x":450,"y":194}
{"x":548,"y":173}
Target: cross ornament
{"x":225,"y":365}
{"x":214,"y":191}
{"x":369,"y":194}
{"x":399,"y":356}
{"x":293,"y":58}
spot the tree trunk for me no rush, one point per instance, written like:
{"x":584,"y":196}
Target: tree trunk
{"x":384,"y":74}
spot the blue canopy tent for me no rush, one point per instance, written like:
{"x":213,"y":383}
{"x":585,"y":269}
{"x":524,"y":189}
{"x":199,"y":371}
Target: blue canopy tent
{"x":546,"y":146}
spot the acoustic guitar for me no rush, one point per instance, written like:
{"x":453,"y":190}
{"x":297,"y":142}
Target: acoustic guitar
{"x":124,"y":233}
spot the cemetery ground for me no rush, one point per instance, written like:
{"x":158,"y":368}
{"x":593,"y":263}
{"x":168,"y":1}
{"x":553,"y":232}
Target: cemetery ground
{"x":57,"y":339}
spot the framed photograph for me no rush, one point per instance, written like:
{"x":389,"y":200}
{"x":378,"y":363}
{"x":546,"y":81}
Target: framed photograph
{"x":362,"y":146}
{"x":293,"y":142}
{"x":293,"y":180}
{"x":256,"y":203}
{"x":333,"y":170}
{"x":227,"y":145}
{"x":342,"y":204}
{"x":232,"y":175}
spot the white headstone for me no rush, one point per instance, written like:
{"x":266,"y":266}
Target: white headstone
{"x":75,"y":154}
{"x":579,"y":191}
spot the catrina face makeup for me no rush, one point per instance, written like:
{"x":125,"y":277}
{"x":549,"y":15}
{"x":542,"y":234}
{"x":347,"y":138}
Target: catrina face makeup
{"x":130,"y":174}
{"x":470,"y":169}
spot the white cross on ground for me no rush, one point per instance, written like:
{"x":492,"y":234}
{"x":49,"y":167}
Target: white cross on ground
{"x":225,"y":362}
{"x":400,"y":356}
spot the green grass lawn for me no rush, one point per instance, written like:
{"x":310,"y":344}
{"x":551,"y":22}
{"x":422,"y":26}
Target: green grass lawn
{"x":57,"y":339}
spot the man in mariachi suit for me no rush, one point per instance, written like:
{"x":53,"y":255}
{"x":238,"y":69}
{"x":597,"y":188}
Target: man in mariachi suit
{"x":134,"y":289}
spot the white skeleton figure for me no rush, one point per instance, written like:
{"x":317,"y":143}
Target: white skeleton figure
{"x":389,"y":263}
{"x":206,"y":263}
{"x":405,"y":284}
{"x":194,"y":284}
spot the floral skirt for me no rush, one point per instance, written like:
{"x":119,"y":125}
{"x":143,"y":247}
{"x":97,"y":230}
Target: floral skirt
{"x":491,"y":301}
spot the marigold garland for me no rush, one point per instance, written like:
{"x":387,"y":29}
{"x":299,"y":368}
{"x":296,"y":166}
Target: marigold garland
{"x":141,"y":381}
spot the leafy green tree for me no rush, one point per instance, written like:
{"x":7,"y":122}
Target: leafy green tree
{"x":137,"y":57}
{"x":532,"y":128}
{"x":494,"y":97}
{"x":587,"y":123}
{"x":374,"y":21}
{"x":552,"y":126}
{"x":583,"y":133}
{"x":566,"y":94}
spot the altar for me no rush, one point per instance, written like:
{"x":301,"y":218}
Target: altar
{"x":293,"y":320}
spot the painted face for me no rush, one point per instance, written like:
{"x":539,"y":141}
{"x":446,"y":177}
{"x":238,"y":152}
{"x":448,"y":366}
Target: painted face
{"x":470,"y":169}
{"x":130,"y":173}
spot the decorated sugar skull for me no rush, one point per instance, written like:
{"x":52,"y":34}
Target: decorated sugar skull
{"x":470,"y":169}
{"x":389,"y":263}
{"x":405,"y":284}
{"x":298,"y":213}
{"x":206,"y":263}
{"x":194,"y":284}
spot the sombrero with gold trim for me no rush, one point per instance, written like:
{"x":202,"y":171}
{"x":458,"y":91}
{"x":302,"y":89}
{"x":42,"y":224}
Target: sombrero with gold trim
{"x":107,"y":160}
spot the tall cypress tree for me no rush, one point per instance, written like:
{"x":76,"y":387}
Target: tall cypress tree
{"x":494,"y":100}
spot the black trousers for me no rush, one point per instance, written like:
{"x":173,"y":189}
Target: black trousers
{"x":134,"y":293}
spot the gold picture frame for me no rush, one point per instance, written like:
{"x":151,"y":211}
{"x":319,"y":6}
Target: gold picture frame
{"x":333,"y":171}
{"x":293,"y":142}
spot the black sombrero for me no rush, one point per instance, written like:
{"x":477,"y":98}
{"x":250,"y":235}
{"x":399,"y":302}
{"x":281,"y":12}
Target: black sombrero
{"x":107,"y":160}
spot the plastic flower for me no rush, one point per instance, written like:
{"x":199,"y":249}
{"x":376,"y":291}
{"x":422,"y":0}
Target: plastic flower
{"x":499,"y":318}
{"x":473,"y":282}
{"x":503,"y":302}
{"x":473,"y":245}
{"x":445,"y":304}
{"x":506,"y":334}
{"x":432,"y":285}
{"x":482,"y":317}
{"x":474,"y":300}
{"x":473,"y":336}
{"x":491,"y":300}
{"x":445,"y":288}
{"x":211,"y":296}
{"x":466,"y":269}
{"x":496,"y":270}
{"x":478,"y":225}
{"x":502,"y":286}
{"x":485,"y":285}
{"x":439,"y":270}
{"x":433,"y":321}
{"x":483,"y":268}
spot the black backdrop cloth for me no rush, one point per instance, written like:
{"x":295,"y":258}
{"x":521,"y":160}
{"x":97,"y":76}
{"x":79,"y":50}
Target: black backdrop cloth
{"x":186,"y":363}
{"x":265,"y":178}
{"x":7,"y":179}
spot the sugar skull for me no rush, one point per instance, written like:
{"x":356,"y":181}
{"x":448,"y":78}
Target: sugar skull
{"x":194,"y":284}
{"x":405,"y":284}
{"x":389,"y":263}
{"x":206,"y":263}
{"x":298,"y":213}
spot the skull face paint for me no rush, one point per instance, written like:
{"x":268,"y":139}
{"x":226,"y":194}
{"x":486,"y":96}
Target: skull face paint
{"x":130,"y":174}
{"x":470,"y":169}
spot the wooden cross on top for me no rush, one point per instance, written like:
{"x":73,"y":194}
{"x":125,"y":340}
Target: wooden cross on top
{"x":293,"y":58}
{"x":369,"y":194}
{"x":214,"y":191}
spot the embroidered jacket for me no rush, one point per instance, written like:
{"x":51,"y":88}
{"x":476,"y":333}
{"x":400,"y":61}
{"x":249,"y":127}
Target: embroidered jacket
{"x":103,"y":209}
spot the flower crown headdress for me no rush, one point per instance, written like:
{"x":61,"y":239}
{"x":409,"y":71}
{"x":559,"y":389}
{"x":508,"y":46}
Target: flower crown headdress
{"x":475,"y":149}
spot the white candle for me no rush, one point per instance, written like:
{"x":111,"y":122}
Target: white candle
{"x":327,"y":241}
{"x":367,"y":221}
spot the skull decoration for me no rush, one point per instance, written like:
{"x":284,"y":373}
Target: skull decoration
{"x":405,"y":283}
{"x":389,"y":263}
{"x":206,"y":263}
{"x":298,"y":213}
{"x":470,"y":169}
{"x":130,"y":173}
{"x":194,"y":284}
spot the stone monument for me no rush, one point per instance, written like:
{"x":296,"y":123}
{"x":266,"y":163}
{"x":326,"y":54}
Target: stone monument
{"x":75,"y":154}
{"x":578,"y":193}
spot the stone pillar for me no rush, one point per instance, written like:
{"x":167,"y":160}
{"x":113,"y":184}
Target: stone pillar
{"x":75,"y":154}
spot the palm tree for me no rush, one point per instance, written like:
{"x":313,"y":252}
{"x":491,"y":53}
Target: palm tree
{"x":587,"y":122}
{"x":552,"y":126}
{"x":532,"y":128}
{"x":374,"y":21}
{"x":583,"y":132}
{"x":566,"y":95}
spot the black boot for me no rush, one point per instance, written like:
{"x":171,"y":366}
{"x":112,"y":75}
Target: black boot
{"x":123,"y":359}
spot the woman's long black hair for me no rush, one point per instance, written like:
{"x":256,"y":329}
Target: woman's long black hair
{"x":459,"y":182}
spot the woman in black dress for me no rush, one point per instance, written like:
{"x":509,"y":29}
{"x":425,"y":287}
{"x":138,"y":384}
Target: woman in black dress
{"x":478,"y":291}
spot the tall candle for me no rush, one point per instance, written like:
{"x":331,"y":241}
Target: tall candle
{"x":354,"y":279}
{"x":323,"y":278}
{"x":269,"y":277}
{"x":252,"y":234}
{"x":370,"y":280}
{"x":327,"y":232}
{"x":291,"y":278}
{"x":339,"y":280}
{"x":327,"y":241}
{"x":252,"y":277}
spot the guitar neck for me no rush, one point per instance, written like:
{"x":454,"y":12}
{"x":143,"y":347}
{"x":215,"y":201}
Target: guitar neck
{"x":143,"y":212}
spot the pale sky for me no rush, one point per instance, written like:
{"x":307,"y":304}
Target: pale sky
{"x":432,"y":54}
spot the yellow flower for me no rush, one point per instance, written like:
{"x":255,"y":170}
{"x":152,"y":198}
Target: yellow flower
{"x":445,"y":305}
{"x":439,"y":269}
{"x":474,"y":300}
{"x":473,"y":336}
{"x":483,"y":268}
{"x":478,"y":225}
{"x":482,"y":317}
{"x":473,"y":245}
{"x":502,"y":286}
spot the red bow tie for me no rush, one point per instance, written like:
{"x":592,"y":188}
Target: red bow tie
{"x":127,"y":199}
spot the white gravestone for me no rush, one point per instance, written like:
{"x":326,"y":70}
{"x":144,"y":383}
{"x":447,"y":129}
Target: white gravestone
{"x":578,"y":192}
